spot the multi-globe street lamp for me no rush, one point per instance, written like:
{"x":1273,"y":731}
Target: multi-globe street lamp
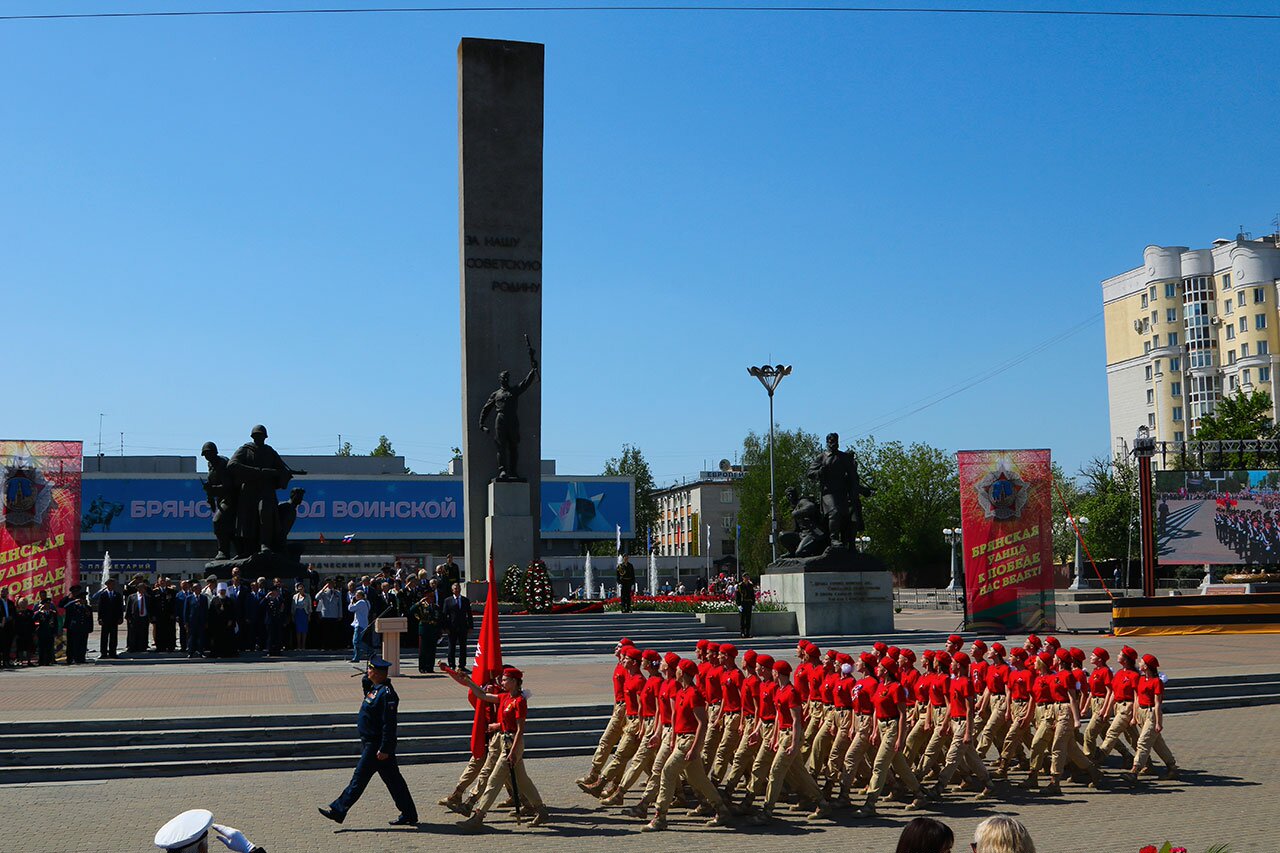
{"x":770,"y":375}
{"x":1079,"y":582}
{"x":952,"y":535}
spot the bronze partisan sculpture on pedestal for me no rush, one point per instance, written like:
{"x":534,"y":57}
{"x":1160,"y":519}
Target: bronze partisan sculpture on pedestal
{"x":251,"y":526}
{"x":504,"y":403}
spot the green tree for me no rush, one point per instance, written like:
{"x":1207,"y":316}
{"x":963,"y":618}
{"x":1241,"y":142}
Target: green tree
{"x":631,"y":463}
{"x":1064,"y":537}
{"x":384,"y":447}
{"x":917,"y":494}
{"x":1239,"y":416}
{"x":793,"y":450}
{"x":344,"y":450}
{"x":1109,"y":499}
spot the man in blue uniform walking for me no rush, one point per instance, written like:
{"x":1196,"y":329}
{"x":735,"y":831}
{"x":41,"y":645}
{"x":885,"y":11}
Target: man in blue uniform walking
{"x":377,"y":726}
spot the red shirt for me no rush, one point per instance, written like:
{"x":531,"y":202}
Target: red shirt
{"x":631,"y":694}
{"x":842,"y":692}
{"x":1042,"y":688}
{"x":800,"y":679}
{"x":827,"y":691}
{"x":750,"y":694}
{"x":688,"y":700}
{"x":619,"y":679}
{"x":1148,"y":690}
{"x":997,"y":679}
{"x":908,"y":679}
{"x":786,"y":699}
{"x":817,"y":675}
{"x":1123,"y":684}
{"x":731,"y":690}
{"x":766,"y":709}
{"x":1099,"y":682}
{"x":862,"y":694}
{"x":1060,"y":686}
{"x":888,"y":697}
{"x":649,"y":696}
{"x":511,"y":709}
{"x":960,"y":691}
{"x":1079,"y":679}
{"x":978,"y":675}
{"x":666,"y":695}
{"x":1020,"y":684}
{"x":938,"y":689}
{"x":700,"y":681}
{"x":712,"y":689}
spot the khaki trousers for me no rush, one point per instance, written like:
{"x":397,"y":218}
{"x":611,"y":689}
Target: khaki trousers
{"x":659,"y":758}
{"x":889,"y":759}
{"x":1021,"y":730}
{"x":1097,"y":726}
{"x":962,"y":755}
{"x":1150,"y":740}
{"x":823,"y":737}
{"x":498,"y":780}
{"x":677,"y":766}
{"x":480,"y":769}
{"x":918,"y":737}
{"x":840,"y":745}
{"x":728,"y":746}
{"x":858,"y":753}
{"x":816,"y":712}
{"x":764,"y":759}
{"x":996,"y":727}
{"x":939,"y":740}
{"x":714,"y":732}
{"x":785,"y":769}
{"x":642,"y":762}
{"x":743,"y":759}
{"x":608,"y":740}
{"x":1121,"y":725}
{"x":1042,"y":739}
{"x":632,"y":732}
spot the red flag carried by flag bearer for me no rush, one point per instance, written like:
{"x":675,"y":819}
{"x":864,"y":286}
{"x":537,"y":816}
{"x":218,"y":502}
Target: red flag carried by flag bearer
{"x":488,"y":662}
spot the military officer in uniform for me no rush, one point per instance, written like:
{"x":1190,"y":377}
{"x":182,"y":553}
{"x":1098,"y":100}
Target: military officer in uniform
{"x":377,"y":726}
{"x":189,"y":833}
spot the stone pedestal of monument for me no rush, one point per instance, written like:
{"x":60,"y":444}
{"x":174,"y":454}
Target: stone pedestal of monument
{"x":837,"y":593}
{"x":508,"y":528}
{"x":389,"y":627}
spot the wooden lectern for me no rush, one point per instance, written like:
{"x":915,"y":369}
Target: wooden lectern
{"x":389,"y":628}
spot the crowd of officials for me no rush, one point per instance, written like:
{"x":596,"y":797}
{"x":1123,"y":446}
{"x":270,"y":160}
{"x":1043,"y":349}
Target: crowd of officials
{"x":224,"y":617}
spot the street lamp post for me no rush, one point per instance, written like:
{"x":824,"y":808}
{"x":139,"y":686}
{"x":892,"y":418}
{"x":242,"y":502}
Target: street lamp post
{"x":1080,"y":582}
{"x":770,"y":375}
{"x":952,"y":535}
{"x":862,"y":542}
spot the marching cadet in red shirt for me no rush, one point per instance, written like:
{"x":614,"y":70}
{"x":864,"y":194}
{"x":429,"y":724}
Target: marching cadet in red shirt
{"x":666,"y":711}
{"x":712,"y":691}
{"x":918,"y":704}
{"x":689,"y":724}
{"x":512,"y":712}
{"x":632,"y":731}
{"x":739,"y":766}
{"x":613,"y":731}
{"x":646,"y":752}
{"x":890,"y":732}
{"x":939,"y":724}
{"x":1119,"y":707}
{"x":478,"y":769}
{"x":1032,"y":647}
{"x":1099,"y":686}
{"x":841,"y":724}
{"x":994,"y":704}
{"x":1021,"y":713}
{"x":954,"y":644}
{"x":823,"y":735}
{"x":1150,"y":692}
{"x":730,"y":720}
{"x":760,"y":738}
{"x":785,"y":768}
{"x":978,"y":675}
{"x":862,"y":727}
{"x":961,"y":753}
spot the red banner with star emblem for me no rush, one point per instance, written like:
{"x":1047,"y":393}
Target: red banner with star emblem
{"x":1005,"y":504}
{"x":39,"y":517}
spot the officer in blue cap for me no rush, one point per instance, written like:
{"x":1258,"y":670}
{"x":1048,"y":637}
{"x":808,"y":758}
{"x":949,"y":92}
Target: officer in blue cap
{"x":377,"y":726}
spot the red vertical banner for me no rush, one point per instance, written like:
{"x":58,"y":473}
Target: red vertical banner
{"x":1005,"y":518}
{"x":39,"y":517}
{"x":488,"y":660}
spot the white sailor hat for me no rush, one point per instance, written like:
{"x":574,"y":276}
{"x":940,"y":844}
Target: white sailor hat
{"x":184,"y":830}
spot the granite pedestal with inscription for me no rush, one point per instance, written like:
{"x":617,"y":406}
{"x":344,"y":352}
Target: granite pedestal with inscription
{"x":508,"y":528}
{"x":837,"y":593}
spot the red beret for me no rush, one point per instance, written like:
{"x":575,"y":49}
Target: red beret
{"x":998,"y":648}
{"x":961,"y":658}
{"x":955,"y":638}
{"x":625,"y":641}
{"x":1103,"y":654}
{"x":714,"y":648}
{"x":889,"y":667}
{"x":702,"y":644}
{"x":1046,"y":658}
{"x":812,"y":651}
{"x":672,"y":660}
{"x":1129,"y":652}
{"x":880,"y":648}
{"x":1077,"y":655}
{"x":929,"y":653}
{"x":765,"y":661}
{"x":513,"y":672}
{"x":942,"y":658}
{"x":832,"y":654}
{"x":729,"y":650}
{"x":651,"y":656}
{"x":749,"y":657}
{"x":908,"y":654}
{"x":894,"y":651}
{"x":688,"y":667}
{"x":1150,"y":660}
{"x":979,"y":644}
{"x":782,"y":666}
{"x":869,"y":659}
{"x":1033,"y":641}
{"x":1018,"y":653}
{"x":1052,"y":642}
{"x":844,"y":658}
{"x":1063,"y":655}
{"x":632,"y":653}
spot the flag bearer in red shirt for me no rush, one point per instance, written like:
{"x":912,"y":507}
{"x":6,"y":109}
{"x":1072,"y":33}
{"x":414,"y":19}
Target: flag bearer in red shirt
{"x":478,"y":769}
{"x":689,"y":725}
{"x":960,"y":712}
{"x":641,"y":763}
{"x":785,"y":767}
{"x":512,"y":712}
{"x":613,"y":731}
{"x":1150,"y":693}
{"x":891,"y":733}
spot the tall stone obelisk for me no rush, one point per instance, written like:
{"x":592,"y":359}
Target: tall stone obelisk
{"x":500,"y":222}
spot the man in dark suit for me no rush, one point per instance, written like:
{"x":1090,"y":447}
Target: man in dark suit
{"x":110,"y":614}
{"x":458,"y":622}
{"x":8,"y":626}
{"x":137,"y":611}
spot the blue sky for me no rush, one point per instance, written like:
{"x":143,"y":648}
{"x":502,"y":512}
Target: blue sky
{"x":212,"y":222}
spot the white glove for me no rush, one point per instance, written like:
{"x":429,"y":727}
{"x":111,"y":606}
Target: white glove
{"x":233,"y":839}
